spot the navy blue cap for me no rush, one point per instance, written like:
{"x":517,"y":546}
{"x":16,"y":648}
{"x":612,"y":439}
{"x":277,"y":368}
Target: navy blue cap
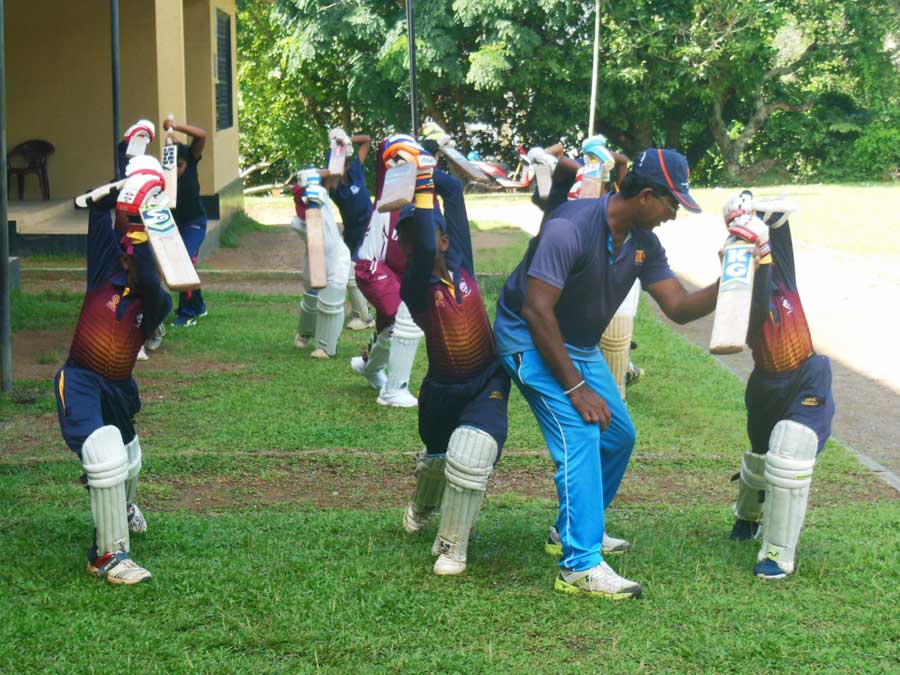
{"x":668,"y":168}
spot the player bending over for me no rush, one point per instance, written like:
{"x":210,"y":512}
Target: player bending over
{"x":463,"y":399}
{"x":789,"y":400}
{"x":321,"y":310}
{"x":96,"y":395}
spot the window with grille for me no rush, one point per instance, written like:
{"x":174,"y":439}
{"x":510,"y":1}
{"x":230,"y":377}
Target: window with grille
{"x":224,"y":102}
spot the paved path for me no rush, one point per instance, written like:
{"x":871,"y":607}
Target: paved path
{"x":852,"y":307}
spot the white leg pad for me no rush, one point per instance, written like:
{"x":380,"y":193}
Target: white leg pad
{"x":615,"y":343}
{"x":134,"y":468}
{"x":788,"y":474}
{"x":359,"y":306}
{"x":430,"y":480}
{"x":309,"y":310}
{"x":330,"y":321}
{"x":404,"y":343}
{"x":749,"y":505}
{"x":379,"y":351}
{"x":105,"y":462}
{"x":471,"y":454}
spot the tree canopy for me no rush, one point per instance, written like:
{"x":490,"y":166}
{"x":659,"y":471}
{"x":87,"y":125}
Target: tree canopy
{"x":805,"y":89}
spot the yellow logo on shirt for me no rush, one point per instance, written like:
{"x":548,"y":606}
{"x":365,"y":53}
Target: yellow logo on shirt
{"x":496,"y":395}
{"x":810,"y":401}
{"x":113,"y":302}
{"x":639,"y":257}
{"x":438,"y":298}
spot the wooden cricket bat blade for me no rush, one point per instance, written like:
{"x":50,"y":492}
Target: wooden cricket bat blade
{"x":544,"y":180}
{"x":315,"y":248}
{"x":464,"y":166}
{"x":337,"y":159}
{"x":399,"y":187}
{"x":729,"y":333}
{"x":172,"y":259}
{"x":170,"y":172}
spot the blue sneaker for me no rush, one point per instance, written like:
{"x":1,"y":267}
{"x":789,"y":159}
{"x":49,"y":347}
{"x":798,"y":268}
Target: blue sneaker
{"x":769,"y":569}
{"x":744,"y":530}
{"x":184,"y":321}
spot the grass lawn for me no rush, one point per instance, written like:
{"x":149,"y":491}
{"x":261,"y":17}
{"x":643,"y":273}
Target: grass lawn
{"x":273,"y":487}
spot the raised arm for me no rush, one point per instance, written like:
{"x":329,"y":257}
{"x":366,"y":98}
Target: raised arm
{"x":197,"y":134}
{"x":450,"y":190}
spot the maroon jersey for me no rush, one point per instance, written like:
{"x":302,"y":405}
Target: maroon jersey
{"x":109,"y":334}
{"x":779,"y":337}
{"x":457,"y":329}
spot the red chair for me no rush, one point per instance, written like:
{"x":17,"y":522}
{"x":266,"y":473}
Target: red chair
{"x":26,"y":158}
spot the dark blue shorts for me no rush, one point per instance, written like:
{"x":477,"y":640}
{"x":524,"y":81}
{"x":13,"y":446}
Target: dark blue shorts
{"x":87,"y":401}
{"x":479,"y":402}
{"x":802,"y":395}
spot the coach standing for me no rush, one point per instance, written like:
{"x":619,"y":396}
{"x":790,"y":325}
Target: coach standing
{"x":550,"y":316}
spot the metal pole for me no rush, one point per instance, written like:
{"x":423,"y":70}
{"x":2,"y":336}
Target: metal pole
{"x":5,"y":328}
{"x":413,"y":89}
{"x":114,"y":49}
{"x":596,"y":63}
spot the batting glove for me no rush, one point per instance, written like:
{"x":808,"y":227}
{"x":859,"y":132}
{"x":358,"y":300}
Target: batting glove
{"x":338,"y":135}
{"x":774,"y":212}
{"x":737,"y":205}
{"x":751,"y":229}
{"x":315,"y":194}
{"x":537,"y":155}
{"x":308,"y":176}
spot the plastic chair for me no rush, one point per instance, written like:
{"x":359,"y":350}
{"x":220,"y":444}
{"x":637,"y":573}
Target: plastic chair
{"x":27,"y":158}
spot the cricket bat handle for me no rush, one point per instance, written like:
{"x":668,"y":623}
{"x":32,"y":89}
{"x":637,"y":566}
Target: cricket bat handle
{"x":81,"y":201}
{"x":169,"y":139}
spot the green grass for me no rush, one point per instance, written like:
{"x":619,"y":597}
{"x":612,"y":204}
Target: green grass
{"x":273,"y":486}
{"x":240,"y":225}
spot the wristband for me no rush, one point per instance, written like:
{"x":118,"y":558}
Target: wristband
{"x":574,"y":388}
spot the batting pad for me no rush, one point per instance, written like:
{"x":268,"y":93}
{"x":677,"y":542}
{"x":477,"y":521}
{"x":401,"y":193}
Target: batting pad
{"x":615,"y":343}
{"x":748,"y":505}
{"x":134,"y":468}
{"x":788,"y":473}
{"x":430,"y":482}
{"x":359,"y":306}
{"x":471,"y":454}
{"x":405,"y":339}
{"x":330,"y":320}
{"x":105,"y":462}
{"x":309,"y":309}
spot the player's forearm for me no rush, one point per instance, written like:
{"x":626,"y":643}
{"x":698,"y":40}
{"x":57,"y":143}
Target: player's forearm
{"x":191,"y":130}
{"x":360,"y":139}
{"x":421,"y":263}
{"x":694,"y":305}
{"x":547,"y":338}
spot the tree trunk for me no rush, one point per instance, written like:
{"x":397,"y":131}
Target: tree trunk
{"x":673,"y":131}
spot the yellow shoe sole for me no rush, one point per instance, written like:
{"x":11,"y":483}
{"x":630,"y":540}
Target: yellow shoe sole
{"x":565,"y":587}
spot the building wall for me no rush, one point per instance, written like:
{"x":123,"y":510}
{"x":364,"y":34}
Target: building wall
{"x":59,"y":88}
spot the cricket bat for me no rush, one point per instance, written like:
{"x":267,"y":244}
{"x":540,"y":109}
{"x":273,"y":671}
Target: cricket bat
{"x":337,"y":159}
{"x":544,"y":180}
{"x":399,"y":187}
{"x":315,"y":246}
{"x":170,"y":166}
{"x":729,"y":333}
{"x":463,"y":165}
{"x":592,"y":184}
{"x":172,"y":259}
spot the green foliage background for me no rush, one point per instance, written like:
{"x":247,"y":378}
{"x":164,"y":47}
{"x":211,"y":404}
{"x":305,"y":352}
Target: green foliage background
{"x":772,"y":90}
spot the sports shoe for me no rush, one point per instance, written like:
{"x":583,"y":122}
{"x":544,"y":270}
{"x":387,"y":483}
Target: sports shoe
{"x":743,"y":530}
{"x":398,"y":398}
{"x":300,"y":341}
{"x":633,"y":374}
{"x":610,"y":545}
{"x":376,"y":379}
{"x":450,"y":560}
{"x":600,"y":581}
{"x":158,"y":335}
{"x":184,"y":322}
{"x":769,"y":569}
{"x":137,"y":524}
{"x":142,"y":355}
{"x":413,"y":521}
{"x":360,"y":324}
{"x":118,"y":568}
{"x":319,"y":353}
{"x":203,"y":312}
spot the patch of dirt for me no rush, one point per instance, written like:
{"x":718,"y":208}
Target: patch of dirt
{"x":485,"y":239}
{"x":38,"y":354}
{"x":275,"y":248}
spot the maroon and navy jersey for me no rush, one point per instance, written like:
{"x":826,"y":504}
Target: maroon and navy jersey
{"x":779,"y":334}
{"x":457,"y":329}
{"x":115,"y":319}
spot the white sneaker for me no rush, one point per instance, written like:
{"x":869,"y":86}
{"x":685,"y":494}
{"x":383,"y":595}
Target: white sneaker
{"x":137,"y":524}
{"x":300,"y":341}
{"x":600,"y":581}
{"x":610,"y":545}
{"x":142,"y":354}
{"x":412,"y":521}
{"x":360,"y":324}
{"x":319,"y":353}
{"x":451,"y":561}
{"x":376,"y":379}
{"x":118,"y":568}
{"x":398,"y":398}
